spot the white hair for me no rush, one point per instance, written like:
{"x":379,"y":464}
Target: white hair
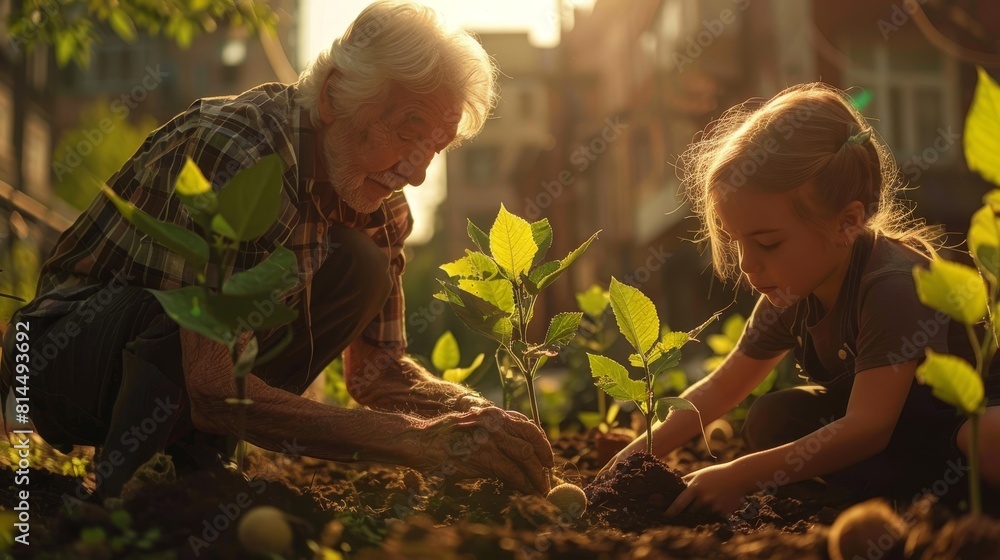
{"x":405,"y":42}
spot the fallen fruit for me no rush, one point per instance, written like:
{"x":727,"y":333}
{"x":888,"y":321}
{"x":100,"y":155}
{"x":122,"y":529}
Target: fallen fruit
{"x":569,"y":498}
{"x":264,"y":530}
{"x":866,"y":530}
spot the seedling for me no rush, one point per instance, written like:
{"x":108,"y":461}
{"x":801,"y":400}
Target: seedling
{"x":242,"y":211}
{"x":640,"y":325}
{"x":970,"y":295}
{"x":494,"y":291}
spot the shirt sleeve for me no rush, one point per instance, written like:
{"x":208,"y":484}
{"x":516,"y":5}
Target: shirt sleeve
{"x":768,"y":332}
{"x":388,"y":329}
{"x":894,"y":326}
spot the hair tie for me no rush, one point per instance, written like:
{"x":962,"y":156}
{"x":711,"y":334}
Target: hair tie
{"x":861,"y":137}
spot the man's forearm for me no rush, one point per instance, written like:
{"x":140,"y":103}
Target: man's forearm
{"x":380,"y":382}
{"x":277,"y":417}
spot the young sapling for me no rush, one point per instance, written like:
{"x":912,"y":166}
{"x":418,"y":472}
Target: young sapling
{"x":494,"y":291}
{"x":639,"y":324}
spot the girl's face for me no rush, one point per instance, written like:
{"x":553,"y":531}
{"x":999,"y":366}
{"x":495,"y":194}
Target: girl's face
{"x":782,"y":256}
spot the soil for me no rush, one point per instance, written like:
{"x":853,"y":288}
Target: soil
{"x":369,"y":511}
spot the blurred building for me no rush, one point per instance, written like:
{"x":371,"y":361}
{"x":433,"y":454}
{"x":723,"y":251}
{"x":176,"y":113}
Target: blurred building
{"x":480,"y":173}
{"x":26,"y":138}
{"x":633,"y":82}
{"x":154,"y":76}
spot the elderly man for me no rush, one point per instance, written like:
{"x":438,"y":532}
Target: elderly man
{"x":111,"y":370}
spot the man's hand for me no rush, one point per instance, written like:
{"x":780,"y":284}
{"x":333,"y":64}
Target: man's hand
{"x":486,"y":442}
{"x":720,"y":488}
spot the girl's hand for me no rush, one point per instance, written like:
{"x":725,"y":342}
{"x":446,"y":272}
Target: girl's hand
{"x":638,"y":444}
{"x":720,"y":488}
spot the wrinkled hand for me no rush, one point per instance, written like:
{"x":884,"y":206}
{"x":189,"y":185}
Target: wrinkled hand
{"x":487,"y":442}
{"x":720,"y":488}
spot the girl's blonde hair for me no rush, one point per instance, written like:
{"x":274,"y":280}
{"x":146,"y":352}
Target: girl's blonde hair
{"x":405,"y":42}
{"x":809,"y":134}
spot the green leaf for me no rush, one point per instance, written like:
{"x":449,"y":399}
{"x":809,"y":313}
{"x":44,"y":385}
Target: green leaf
{"x":984,"y":242}
{"x":478,"y":237}
{"x":562,"y":328}
{"x":13,"y":297}
{"x":481,"y":316}
{"x":249,"y":203}
{"x":613,"y":379}
{"x":674,"y":340}
{"x":954,"y":288}
{"x":720,"y":344}
{"x":636,"y":316}
{"x":512,"y":244}
{"x":122,"y":25}
{"x":732,"y":328}
{"x":458,"y":375}
{"x":499,"y":293}
{"x":245,"y":362}
{"x":219,"y":317}
{"x":666,"y":404}
{"x":590,"y":419}
{"x":541,"y":233}
{"x":953,"y":381}
{"x":279,"y":271}
{"x":66,"y":46}
{"x":185,"y":243}
{"x":196,"y":193}
{"x":593,"y":301}
{"x":472,"y":265}
{"x":564,"y":264}
{"x":664,"y":360}
{"x":446,"y":354}
{"x":992,"y":199}
{"x":982,"y":123}
{"x":532,"y":279}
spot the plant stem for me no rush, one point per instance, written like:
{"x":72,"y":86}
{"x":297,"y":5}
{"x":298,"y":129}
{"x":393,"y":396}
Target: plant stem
{"x":530,"y":379}
{"x":974,"y":498}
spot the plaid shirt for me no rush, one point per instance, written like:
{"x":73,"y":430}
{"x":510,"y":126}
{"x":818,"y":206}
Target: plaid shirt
{"x":222,"y":135}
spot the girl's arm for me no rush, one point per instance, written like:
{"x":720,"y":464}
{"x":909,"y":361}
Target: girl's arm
{"x":876,"y":401}
{"x":714,"y":395}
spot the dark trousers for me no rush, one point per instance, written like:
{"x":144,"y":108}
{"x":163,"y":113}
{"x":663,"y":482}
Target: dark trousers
{"x":110,"y":373}
{"x":922,"y":449}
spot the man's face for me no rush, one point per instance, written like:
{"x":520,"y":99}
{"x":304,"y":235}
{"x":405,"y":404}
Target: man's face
{"x":389,"y":146}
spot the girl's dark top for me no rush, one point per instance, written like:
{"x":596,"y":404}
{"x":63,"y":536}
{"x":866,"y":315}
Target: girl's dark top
{"x":877,"y":320}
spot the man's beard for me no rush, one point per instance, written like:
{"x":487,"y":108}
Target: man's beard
{"x":348,"y":181}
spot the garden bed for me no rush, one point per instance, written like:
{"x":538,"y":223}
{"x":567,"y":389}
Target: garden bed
{"x":377,"y":511}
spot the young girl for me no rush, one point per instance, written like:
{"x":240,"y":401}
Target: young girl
{"x":797,"y":200}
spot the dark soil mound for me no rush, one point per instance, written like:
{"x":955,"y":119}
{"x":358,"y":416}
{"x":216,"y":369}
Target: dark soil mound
{"x":635,"y":493}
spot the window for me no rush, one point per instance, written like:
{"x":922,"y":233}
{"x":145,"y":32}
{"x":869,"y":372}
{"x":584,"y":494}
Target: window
{"x":914,"y":99}
{"x":115,"y":66}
